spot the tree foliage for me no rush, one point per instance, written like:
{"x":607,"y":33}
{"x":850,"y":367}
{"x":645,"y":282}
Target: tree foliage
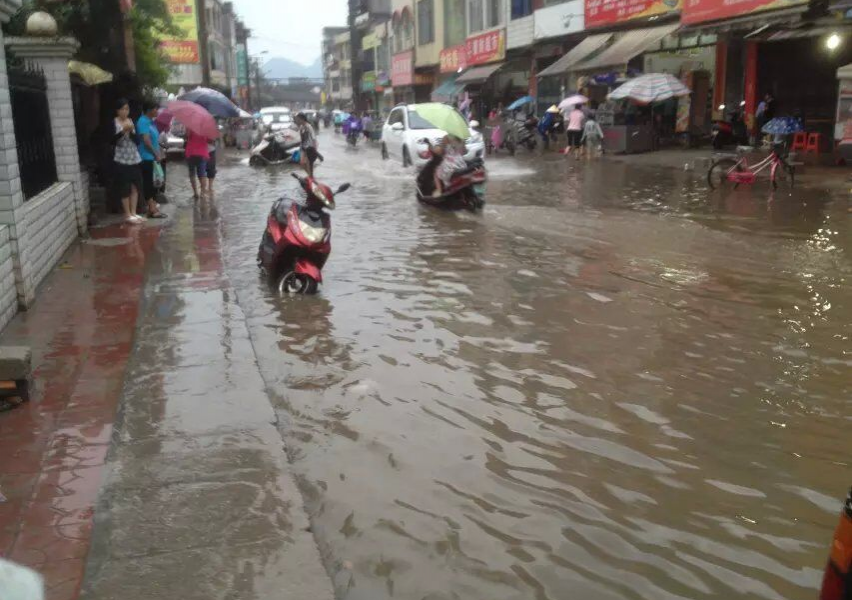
{"x":96,"y":24}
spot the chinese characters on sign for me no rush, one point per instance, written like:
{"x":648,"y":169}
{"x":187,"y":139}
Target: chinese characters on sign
{"x":183,"y":49}
{"x":698,"y":11}
{"x":484,"y":48}
{"x":453,"y":59}
{"x":402,"y":68}
{"x":609,"y":12}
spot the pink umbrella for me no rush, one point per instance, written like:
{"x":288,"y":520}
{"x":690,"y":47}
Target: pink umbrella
{"x":195,"y":118}
{"x":163,"y":121}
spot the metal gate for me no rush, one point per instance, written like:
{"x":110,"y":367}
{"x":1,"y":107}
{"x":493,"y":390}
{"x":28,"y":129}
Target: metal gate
{"x":31,"y":116}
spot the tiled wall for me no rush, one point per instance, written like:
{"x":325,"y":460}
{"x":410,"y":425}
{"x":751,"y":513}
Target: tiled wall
{"x":8,"y":295}
{"x":51,"y":226}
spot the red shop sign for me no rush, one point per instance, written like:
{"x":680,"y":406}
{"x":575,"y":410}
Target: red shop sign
{"x":402,"y":69}
{"x":485,"y":48}
{"x":699,"y":11}
{"x":454,"y":58}
{"x":610,"y":12}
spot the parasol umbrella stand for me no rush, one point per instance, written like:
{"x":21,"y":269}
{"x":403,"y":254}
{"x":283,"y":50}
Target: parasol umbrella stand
{"x":194,"y":118}
{"x":650,"y":88}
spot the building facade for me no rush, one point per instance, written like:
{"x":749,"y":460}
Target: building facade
{"x":486,"y":53}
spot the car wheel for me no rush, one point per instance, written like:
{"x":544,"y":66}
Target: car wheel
{"x":406,"y":157}
{"x":385,"y":155}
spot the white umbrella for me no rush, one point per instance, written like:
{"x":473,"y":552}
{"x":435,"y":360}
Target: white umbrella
{"x":573,"y":101}
{"x":652,"y":87}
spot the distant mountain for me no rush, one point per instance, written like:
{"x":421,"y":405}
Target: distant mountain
{"x":283,"y":68}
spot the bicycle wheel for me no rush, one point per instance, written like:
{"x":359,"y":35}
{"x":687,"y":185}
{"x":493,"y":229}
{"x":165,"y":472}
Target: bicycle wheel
{"x":717,"y":175}
{"x":784,"y":176}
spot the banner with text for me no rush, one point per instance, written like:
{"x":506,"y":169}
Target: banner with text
{"x":402,"y":68}
{"x":477,"y":50}
{"x":182,"y":50}
{"x":699,"y":11}
{"x":601,"y":13}
{"x":242,"y":65}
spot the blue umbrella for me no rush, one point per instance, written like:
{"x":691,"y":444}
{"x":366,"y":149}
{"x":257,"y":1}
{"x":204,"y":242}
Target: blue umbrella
{"x":216,"y":103}
{"x":521,"y":102}
{"x":782,"y":126}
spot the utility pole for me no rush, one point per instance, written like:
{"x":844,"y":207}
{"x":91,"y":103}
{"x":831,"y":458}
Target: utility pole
{"x":201,"y":9}
{"x":355,"y":8}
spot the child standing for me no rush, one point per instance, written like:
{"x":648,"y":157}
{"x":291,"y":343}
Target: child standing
{"x":592,"y":137}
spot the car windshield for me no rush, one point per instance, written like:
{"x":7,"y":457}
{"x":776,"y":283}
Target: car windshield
{"x":415,"y":121}
{"x":280,"y":117}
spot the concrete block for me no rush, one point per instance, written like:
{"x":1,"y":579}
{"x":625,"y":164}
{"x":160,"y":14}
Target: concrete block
{"x":15,"y":363}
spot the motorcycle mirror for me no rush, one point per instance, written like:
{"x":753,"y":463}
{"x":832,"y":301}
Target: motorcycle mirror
{"x":342,"y":188}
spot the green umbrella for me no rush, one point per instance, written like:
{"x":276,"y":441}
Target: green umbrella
{"x":443,"y":117}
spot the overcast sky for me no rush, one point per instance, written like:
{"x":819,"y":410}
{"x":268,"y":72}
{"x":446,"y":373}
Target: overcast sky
{"x":289,"y":28}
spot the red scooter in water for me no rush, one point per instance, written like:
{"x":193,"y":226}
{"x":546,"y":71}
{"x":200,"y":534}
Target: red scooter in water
{"x":297,"y":240}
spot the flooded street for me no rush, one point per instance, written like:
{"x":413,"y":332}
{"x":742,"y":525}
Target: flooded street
{"x":612,"y":384}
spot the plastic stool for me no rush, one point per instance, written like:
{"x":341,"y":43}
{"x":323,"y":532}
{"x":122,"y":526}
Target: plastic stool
{"x":800,"y":141}
{"x":814,"y":140}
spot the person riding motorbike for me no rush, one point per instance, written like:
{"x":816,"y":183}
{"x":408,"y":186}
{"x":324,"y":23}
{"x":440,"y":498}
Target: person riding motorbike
{"x":445,"y":160}
{"x":352,"y":128}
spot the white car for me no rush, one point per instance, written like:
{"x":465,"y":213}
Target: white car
{"x":276,"y":118}
{"x":404,"y":129}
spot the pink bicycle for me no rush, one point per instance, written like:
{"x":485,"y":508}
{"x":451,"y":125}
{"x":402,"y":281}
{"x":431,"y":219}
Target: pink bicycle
{"x":731,"y":172}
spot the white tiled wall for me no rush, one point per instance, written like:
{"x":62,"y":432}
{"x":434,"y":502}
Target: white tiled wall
{"x":8,"y":295}
{"x":52,"y":227}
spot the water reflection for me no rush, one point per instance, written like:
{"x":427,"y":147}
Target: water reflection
{"x":610,"y":382}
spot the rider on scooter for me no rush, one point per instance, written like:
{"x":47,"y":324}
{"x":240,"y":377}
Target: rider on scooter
{"x":446,"y":159}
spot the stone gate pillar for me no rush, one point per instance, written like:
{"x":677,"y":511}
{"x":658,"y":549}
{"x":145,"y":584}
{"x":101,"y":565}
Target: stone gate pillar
{"x":52,"y":56}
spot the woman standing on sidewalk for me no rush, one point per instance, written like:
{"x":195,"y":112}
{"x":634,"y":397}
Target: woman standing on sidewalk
{"x":126,"y":161}
{"x":149,"y":150}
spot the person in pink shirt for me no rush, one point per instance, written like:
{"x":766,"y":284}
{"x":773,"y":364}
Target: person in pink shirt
{"x":197,"y":155}
{"x":576,"y":120}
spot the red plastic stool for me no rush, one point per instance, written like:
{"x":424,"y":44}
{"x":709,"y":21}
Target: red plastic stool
{"x":800,"y":141}
{"x":814,"y":141}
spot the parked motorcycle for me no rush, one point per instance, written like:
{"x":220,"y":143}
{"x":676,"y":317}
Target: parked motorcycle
{"x":297,"y":239}
{"x":274,"y":148}
{"x":732,"y":132}
{"x":466,"y":189}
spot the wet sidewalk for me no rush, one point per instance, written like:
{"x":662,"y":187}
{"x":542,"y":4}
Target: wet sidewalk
{"x":148,"y":465}
{"x":53,"y":449}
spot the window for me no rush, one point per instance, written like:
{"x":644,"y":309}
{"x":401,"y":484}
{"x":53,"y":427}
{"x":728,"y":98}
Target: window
{"x":494,"y":13}
{"x":407,"y":31}
{"x":425,"y":22}
{"x":335,"y":84}
{"x":455,"y":23}
{"x":475,"y":18}
{"x":521,"y":8}
{"x":396,"y":117}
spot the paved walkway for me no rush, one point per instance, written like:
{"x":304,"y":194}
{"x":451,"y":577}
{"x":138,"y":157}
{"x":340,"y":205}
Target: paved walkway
{"x":148,"y":464}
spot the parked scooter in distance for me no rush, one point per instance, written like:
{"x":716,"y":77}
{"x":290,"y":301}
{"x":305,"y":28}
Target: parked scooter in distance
{"x":297,"y":239}
{"x":274,"y":148}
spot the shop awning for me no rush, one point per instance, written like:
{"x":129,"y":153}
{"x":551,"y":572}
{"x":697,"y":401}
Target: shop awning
{"x":576,"y":54}
{"x":447,"y":90}
{"x":479,"y":74}
{"x":789,"y":33}
{"x":631,"y":44}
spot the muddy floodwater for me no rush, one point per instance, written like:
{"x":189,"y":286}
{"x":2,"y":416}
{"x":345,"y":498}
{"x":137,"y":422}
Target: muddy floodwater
{"x":611,"y":384}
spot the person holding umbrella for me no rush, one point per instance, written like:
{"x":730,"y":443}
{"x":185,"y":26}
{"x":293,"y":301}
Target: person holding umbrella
{"x":200,"y":127}
{"x":149,"y":151}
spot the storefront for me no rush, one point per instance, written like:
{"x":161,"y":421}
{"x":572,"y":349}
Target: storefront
{"x":402,"y":77}
{"x":477,"y":61}
{"x":790,"y":53}
{"x":554,"y":28}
